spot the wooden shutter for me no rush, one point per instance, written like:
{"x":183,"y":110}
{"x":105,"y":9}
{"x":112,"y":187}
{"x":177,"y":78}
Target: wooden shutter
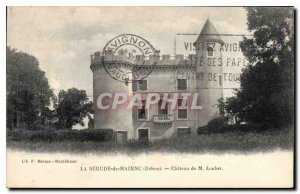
{"x":134,"y":114}
{"x":134,"y":86}
{"x":181,"y":84}
{"x":145,"y":85}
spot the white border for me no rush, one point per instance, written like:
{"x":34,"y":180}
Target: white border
{"x":148,"y":3}
{"x":5,"y":3}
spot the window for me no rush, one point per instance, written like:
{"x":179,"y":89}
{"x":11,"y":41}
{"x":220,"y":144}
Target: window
{"x":210,"y":52}
{"x":143,"y":135}
{"x":220,"y":80}
{"x":142,"y":113}
{"x":142,"y":84}
{"x":106,"y":101}
{"x":139,"y":85}
{"x":182,"y":84}
{"x":182,"y":131}
{"x":181,"y":111}
{"x":164,"y":110}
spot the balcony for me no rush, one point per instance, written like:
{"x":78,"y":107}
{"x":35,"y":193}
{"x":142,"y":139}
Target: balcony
{"x":162,"y":118}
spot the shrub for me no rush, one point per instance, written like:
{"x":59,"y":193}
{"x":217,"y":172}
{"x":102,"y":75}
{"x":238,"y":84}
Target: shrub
{"x":50,"y":135}
{"x":219,"y":125}
{"x":215,"y":124}
{"x":202,"y":130}
{"x":242,"y":128}
{"x":43,"y":127}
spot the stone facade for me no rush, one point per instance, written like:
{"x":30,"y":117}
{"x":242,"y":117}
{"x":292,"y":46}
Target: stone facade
{"x":166,"y":77}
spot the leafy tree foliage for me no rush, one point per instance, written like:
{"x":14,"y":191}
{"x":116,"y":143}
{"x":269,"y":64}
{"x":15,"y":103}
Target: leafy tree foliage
{"x":27,"y":90}
{"x":91,"y":119}
{"x":71,"y":107}
{"x":29,"y":96}
{"x":266,"y":95}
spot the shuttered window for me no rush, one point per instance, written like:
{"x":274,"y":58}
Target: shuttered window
{"x":142,"y":112}
{"x":210,"y":52}
{"x":220,"y":80}
{"x":139,"y":85}
{"x":143,"y":85}
{"x":143,"y":135}
{"x":181,"y":84}
{"x":162,"y":110}
{"x":121,"y":136}
{"x":134,"y":86}
{"x":181,"y":112}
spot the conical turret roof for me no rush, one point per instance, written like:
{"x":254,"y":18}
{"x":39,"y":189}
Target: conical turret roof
{"x":209,"y":34}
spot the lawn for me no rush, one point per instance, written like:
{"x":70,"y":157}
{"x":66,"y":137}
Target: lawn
{"x":245,"y":142}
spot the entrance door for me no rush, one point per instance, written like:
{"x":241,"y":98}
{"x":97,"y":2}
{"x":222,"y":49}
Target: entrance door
{"x":143,"y":134}
{"x":121,"y":136}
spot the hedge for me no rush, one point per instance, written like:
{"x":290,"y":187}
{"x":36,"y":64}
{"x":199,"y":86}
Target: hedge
{"x":225,"y":128}
{"x":60,"y":135}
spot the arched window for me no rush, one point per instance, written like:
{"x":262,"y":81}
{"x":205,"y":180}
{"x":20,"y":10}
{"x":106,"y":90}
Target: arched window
{"x":210,"y":52}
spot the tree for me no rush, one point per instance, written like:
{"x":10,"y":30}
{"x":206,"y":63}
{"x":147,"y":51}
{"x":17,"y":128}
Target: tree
{"x":266,"y":95}
{"x":91,"y":122}
{"x":91,"y":119}
{"x":27,"y":90}
{"x":221,"y":107}
{"x":71,"y":107}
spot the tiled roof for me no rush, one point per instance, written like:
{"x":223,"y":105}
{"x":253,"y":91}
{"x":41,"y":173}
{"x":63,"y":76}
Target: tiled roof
{"x":209,"y":34}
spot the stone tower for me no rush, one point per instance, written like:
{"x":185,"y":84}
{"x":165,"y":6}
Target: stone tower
{"x":119,"y":119}
{"x":209,"y":64}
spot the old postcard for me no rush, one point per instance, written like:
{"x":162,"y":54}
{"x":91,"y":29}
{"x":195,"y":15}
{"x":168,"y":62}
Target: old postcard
{"x":150,"y":97}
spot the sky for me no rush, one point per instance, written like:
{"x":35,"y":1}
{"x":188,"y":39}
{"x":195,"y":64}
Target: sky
{"x":63,"y":38}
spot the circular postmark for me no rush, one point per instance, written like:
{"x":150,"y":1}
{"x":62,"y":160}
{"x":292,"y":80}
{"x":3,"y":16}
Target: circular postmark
{"x":128,"y":58}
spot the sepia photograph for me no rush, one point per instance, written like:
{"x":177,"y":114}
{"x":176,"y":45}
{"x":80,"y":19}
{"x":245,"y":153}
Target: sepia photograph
{"x":150,"y":97}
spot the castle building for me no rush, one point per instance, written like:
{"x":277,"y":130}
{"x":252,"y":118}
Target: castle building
{"x":169,"y":76}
